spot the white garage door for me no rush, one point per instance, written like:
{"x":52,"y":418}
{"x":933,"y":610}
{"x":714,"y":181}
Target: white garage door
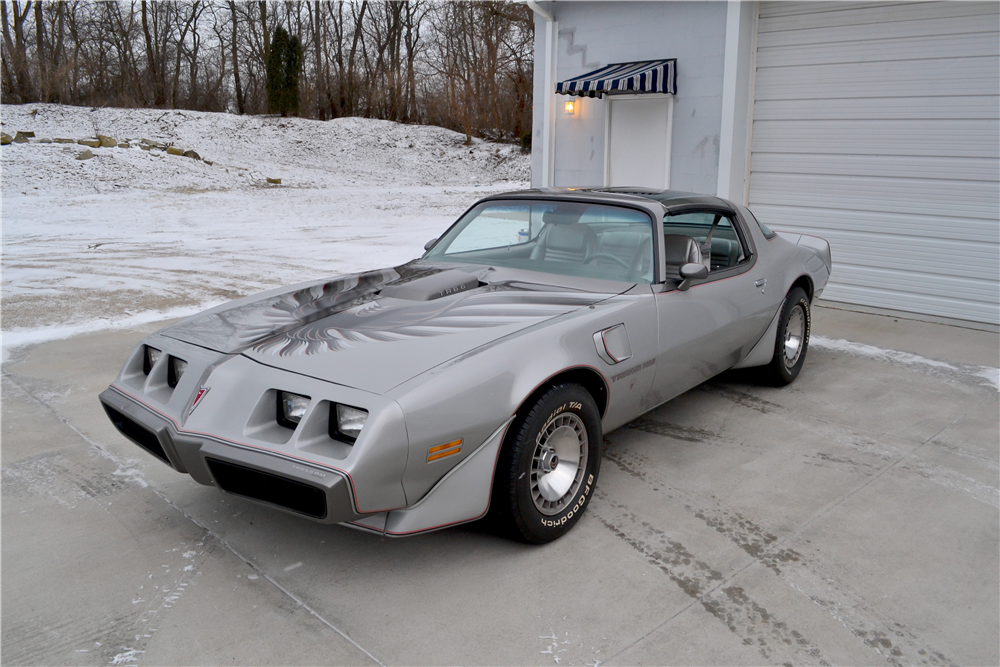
{"x":877,"y":126}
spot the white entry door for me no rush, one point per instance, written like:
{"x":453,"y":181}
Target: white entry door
{"x":638,"y":136}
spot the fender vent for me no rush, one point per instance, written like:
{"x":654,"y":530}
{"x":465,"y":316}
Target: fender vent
{"x":140,"y":435}
{"x":268,"y":488}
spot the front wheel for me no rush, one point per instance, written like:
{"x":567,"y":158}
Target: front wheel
{"x":548,"y":468}
{"x":792,"y":340}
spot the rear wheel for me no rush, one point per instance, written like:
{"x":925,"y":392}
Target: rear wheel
{"x":548,"y":467}
{"x":792,"y":340}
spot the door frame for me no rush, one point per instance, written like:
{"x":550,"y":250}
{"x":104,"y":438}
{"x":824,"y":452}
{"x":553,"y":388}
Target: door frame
{"x":607,"y":131}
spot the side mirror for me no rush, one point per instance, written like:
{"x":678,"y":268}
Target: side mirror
{"x":692,"y":271}
{"x":430,"y":244}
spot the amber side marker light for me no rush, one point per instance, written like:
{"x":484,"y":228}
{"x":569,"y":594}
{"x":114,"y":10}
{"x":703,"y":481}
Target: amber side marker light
{"x":441,"y":451}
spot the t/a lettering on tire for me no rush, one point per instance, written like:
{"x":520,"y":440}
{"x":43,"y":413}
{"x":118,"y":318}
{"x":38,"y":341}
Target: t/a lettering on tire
{"x":792,"y":340}
{"x":549,"y":464}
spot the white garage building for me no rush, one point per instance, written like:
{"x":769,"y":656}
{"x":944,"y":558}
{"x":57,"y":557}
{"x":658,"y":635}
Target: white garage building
{"x":875,"y":125}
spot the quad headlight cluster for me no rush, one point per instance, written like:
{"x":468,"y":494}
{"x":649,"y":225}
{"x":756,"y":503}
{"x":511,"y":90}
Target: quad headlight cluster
{"x":345,"y":423}
{"x":149,"y":359}
{"x":175,"y":370}
{"x":291,"y":408}
{"x":175,"y":367}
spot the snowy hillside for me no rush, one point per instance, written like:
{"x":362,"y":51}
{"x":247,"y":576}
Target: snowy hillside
{"x":136,"y":235}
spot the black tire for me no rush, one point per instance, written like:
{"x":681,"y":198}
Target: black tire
{"x":531,"y":505}
{"x":792,"y":341}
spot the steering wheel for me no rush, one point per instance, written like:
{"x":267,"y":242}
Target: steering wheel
{"x":607,"y":255}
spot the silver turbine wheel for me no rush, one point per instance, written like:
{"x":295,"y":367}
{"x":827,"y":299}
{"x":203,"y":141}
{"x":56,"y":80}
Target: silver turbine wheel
{"x":558,"y":463}
{"x":795,"y":333}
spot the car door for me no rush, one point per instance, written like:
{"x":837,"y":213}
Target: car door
{"x":708,"y":327}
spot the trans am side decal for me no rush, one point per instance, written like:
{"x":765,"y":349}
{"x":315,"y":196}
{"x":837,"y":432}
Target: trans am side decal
{"x":632,"y":371}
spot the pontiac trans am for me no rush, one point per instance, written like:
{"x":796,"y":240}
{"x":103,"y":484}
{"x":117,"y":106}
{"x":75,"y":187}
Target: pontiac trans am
{"x":481,"y":377}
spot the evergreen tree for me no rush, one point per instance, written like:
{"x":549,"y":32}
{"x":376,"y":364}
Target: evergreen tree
{"x":284,"y":64}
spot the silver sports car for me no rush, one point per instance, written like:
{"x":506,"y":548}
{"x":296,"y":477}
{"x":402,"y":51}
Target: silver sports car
{"x":480,"y":377}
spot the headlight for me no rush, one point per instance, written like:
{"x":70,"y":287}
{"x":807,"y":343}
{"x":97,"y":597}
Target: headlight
{"x":346,"y":422}
{"x":175,"y":370}
{"x":291,"y":408}
{"x":149,"y":359}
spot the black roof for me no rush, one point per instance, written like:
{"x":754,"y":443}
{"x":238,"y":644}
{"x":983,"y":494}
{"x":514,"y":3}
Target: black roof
{"x":669,"y":199}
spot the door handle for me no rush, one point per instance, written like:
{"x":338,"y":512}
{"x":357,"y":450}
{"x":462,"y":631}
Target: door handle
{"x":761,"y":282}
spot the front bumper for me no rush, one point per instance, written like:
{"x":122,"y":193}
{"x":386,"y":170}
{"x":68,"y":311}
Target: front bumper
{"x":229,"y":437}
{"x":293,"y":484}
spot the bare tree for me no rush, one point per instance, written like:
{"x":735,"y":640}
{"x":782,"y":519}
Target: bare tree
{"x":463,"y":65}
{"x":17,"y":51}
{"x":241,"y":108}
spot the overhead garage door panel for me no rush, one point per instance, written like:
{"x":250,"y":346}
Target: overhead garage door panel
{"x":930,"y":78}
{"x":789,"y":16}
{"x":971,"y":138}
{"x":979,"y":107}
{"x":878,"y":128}
{"x":960,"y":199}
{"x":897,"y":282}
{"x":773,"y":10}
{"x":954,"y":168}
{"x":959,"y":45}
{"x":769,"y":37}
{"x":921,"y":255}
{"x":880,"y":297}
{"x":820,"y":223}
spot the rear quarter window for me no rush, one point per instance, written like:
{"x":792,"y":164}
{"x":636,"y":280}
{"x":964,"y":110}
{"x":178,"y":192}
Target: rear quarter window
{"x":767,"y":231}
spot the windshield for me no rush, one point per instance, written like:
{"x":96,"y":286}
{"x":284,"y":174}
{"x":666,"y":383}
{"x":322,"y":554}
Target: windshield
{"x":567,"y":238}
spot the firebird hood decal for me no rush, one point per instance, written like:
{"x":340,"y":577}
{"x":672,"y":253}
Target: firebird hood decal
{"x":233,"y":328}
{"x":388,"y":320}
{"x":390,"y":339}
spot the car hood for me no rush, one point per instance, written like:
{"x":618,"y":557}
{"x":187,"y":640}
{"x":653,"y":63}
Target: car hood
{"x":375,"y":330}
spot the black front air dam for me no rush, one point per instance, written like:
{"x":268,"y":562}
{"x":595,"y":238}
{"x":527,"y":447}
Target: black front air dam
{"x":296,"y":486}
{"x":284,"y":479}
{"x":137,"y":433}
{"x":143,"y":427}
{"x":268,"y":488}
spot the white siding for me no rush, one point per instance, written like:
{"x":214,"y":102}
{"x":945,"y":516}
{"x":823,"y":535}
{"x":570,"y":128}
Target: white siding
{"x":595,"y":34}
{"x":877,"y":126}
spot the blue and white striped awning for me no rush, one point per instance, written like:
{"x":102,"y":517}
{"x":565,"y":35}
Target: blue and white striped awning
{"x":647,"y":76}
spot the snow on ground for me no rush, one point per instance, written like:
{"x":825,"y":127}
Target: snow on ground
{"x":132,"y":236}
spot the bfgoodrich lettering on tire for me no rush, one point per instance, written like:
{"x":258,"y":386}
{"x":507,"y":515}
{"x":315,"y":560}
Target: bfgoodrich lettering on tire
{"x":792,"y":341}
{"x":548,"y":467}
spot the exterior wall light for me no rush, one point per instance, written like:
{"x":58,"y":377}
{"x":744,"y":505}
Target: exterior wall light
{"x":570,"y":107}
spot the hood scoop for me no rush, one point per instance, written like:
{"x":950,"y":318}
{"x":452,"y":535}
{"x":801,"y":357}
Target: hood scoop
{"x":432,"y":287}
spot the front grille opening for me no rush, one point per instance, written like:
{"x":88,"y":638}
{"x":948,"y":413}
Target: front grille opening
{"x":140,"y":435}
{"x":264,"y":486}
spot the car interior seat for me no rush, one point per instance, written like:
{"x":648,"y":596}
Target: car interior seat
{"x":634,"y":247}
{"x":725,"y":253}
{"x":679,"y":250}
{"x":564,"y":241}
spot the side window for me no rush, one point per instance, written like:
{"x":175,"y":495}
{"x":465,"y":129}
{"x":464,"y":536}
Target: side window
{"x":715,"y":235}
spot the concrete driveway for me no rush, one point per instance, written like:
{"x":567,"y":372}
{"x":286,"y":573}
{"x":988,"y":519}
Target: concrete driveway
{"x":851,"y":518}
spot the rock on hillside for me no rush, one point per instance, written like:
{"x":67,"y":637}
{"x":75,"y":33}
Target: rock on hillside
{"x":303,"y":153}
